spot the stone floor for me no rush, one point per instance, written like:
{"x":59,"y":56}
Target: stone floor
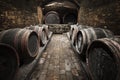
{"x":58,"y":62}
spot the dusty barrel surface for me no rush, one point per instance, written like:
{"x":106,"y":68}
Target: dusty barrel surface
{"x":42,"y":33}
{"x":86,"y":36}
{"x":52,"y":17}
{"x":24,"y":41}
{"x":9,"y":62}
{"x":103,"y":59}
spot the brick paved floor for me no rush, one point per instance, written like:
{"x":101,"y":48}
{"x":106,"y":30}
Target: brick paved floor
{"x":58,"y":62}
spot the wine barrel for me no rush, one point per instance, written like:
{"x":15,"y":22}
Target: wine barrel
{"x":41,"y":32}
{"x":73,"y":27}
{"x":9,"y":62}
{"x":70,"y":18}
{"x":24,"y":41}
{"x":103,"y":59}
{"x":46,"y":29}
{"x":52,"y":17}
{"x":74,"y":30}
{"x":86,"y":36}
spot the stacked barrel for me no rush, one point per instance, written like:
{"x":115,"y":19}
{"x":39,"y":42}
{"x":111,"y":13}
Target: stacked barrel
{"x":20,"y":47}
{"x":98,"y":49}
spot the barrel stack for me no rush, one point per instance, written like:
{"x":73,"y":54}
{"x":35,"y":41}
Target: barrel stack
{"x":20,"y":47}
{"x":98,"y":50}
{"x":86,"y":36}
{"x":81,"y":36}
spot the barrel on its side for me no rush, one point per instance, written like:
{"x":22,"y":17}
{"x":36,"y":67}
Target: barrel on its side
{"x":86,"y":36}
{"x":74,"y":30}
{"x":52,"y":17}
{"x":70,"y":18}
{"x":103,"y":59}
{"x":24,"y":41}
{"x":9,"y":62}
{"x":46,"y":29}
{"x":42,"y":33}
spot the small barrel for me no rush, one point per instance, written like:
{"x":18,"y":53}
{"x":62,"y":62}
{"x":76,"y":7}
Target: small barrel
{"x":86,"y":36}
{"x":42,"y":33}
{"x":52,"y":17}
{"x":9,"y":62}
{"x":103,"y":59}
{"x":24,"y":41}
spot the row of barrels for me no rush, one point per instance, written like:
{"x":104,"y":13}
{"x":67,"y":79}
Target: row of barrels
{"x":99,"y":49}
{"x":53,"y":17}
{"x":20,"y":47}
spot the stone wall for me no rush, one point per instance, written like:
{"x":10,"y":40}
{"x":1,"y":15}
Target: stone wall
{"x":12,"y":17}
{"x":59,"y":28}
{"x":16,"y":18}
{"x":100,"y":13}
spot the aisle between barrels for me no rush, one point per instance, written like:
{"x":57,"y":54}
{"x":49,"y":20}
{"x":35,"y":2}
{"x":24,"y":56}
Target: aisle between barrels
{"x":58,"y":62}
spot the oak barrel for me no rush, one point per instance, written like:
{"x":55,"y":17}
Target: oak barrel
{"x":9,"y":62}
{"x":103,"y":59}
{"x":52,"y":17}
{"x":86,"y":36}
{"x":74,"y":30}
{"x":42,"y":33}
{"x":70,"y":18}
{"x":24,"y":41}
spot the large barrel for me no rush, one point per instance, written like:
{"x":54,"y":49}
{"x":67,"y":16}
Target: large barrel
{"x":52,"y":17}
{"x":103,"y":59}
{"x":9,"y":62}
{"x":86,"y":36}
{"x":24,"y":41}
{"x":42,"y":33}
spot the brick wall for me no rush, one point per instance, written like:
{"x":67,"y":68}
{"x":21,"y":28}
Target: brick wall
{"x":12,"y":16}
{"x":100,"y":13}
{"x":16,"y":18}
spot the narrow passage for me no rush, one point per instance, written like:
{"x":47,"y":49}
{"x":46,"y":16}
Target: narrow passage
{"x":58,"y":62}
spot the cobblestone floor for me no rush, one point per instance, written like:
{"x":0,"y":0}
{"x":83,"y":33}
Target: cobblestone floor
{"x":58,"y":62}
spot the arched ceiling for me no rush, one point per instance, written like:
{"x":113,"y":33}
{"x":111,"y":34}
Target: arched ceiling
{"x":44,"y":2}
